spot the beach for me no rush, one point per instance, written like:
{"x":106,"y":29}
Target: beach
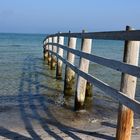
{"x":37,"y":117}
{"x":32,"y":105}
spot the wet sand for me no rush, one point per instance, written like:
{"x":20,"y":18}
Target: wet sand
{"x":38,"y":111}
{"x":37,"y":117}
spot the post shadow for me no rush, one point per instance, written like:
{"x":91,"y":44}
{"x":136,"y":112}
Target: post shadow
{"x":22,"y":107}
{"x":109,"y":124}
{"x":30,"y":72}
{"x":33,"y":107}
{"x":12,"y":135}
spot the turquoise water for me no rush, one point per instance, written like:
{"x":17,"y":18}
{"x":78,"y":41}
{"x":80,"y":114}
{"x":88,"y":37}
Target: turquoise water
{"x":14,"y":50}
{"x":22,"y":66}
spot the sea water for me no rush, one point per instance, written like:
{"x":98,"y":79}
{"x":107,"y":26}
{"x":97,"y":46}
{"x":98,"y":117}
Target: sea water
{"x":23,"y":70}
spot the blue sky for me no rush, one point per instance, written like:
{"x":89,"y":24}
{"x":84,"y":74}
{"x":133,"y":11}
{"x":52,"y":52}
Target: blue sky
{"x":49,"y":16}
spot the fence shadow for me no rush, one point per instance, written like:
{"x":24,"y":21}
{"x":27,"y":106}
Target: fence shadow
{"x":12,"y":135}
{"x":30,"y":87}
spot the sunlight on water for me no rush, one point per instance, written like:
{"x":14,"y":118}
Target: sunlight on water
{"x":21,"y":60}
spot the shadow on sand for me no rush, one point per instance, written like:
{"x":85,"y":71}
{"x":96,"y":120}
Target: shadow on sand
{"x":36,"y":103}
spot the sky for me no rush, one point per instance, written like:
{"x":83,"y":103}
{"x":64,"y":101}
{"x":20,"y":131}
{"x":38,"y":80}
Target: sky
{"x":51,"y":16}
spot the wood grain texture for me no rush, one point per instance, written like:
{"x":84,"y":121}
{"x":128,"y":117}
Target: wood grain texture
{"x":53,"y":57}
{"x":109,"y":35}
{"x":119,"y":96}
{"x":81,"y":82}
{"x":49,"y":48}
{"x":128,"y":87}
{"x":113,"y":64}
{"x":46,"y":52}
{"x":59,"y":62}
{"x":69,"y":73}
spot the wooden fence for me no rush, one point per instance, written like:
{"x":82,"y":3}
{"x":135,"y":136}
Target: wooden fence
{"x":53,"y":53}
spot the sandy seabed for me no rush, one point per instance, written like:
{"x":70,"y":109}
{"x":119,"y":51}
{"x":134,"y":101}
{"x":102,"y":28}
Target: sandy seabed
{"x":36,"y":118}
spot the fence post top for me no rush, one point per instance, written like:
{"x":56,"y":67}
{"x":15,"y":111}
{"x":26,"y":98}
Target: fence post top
{"x":129,"y":28}
{"x":83,"y":31}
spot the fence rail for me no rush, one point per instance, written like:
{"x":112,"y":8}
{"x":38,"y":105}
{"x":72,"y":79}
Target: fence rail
{"x":53,"y":52}
{"x":113,"y":64}
{"x":110,"y":35}
{"x":129,"y":102}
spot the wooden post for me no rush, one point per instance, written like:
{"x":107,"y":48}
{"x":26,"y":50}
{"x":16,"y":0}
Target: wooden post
{"x":54,"y":49}
{"x":46,"y":50}
{"x":69,"y":73}
{"x":59,"y":62}
{"x":49,"y":48}
{"x":128,"y":87}
{"x":81,"y":83}
{"x":89,"y":89}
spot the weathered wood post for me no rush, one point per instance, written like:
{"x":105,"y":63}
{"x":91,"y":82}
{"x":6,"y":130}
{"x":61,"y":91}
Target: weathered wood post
{"x":81,"y":83}
{"x":128,"y":87}
{"x":89,"y":89}
{"x":69,"y":73}
{"x":54,"y":49}
{"x":45,"y":50}
{"x":59,"y":62}
{"x":49,"y":48}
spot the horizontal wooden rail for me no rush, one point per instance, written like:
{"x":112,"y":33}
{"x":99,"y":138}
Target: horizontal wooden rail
{"x":113,"y":64}
{"x":131,"y":103}
{"x":129,"y":71}
{"x":110,"y":35}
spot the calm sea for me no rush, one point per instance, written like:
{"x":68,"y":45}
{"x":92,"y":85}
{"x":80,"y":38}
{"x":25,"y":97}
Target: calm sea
{"x":22,"y":69}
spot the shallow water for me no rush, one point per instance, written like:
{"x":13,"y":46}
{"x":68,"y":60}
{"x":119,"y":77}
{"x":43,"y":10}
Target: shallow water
{"x":22,"y":68}
{"x":33,"y":97}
